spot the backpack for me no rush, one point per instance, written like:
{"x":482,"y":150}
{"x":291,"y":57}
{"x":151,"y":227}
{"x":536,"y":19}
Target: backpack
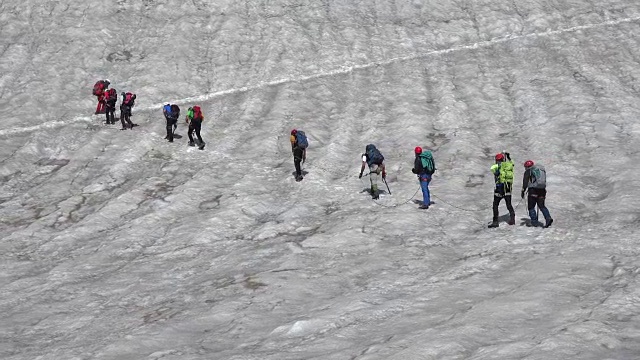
{"x":167,"y":110}
{"x":301,"y":140}
{"x":112,"y":95}
{"x":374,"y":156}
{"x":175,"y":111}
{"x":128,"y":99}
{"x":197,"y":113}
{"x":98,"y":87}
{"x":538,"y":178}
{"x":506,"y":172}
{"x":427,"y":162}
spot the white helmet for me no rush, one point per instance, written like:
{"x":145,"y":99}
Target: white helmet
{"x":107,"y":81}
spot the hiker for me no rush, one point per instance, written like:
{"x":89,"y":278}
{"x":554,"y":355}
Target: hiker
{"x":534,"y":182}
{"x":502,"y":172}
{"x":171,"y":114}
{"x":128,"y":101}
{"x":374,"y":159}
{"x":195,"y":119}
{"x":424,"y":167}
{"x":299,"y":144}
{"x":111,"y":98}
{"x":99,"y":89}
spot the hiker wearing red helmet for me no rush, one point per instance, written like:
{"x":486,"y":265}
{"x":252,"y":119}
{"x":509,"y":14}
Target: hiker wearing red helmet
{"x":299,"y":144}
{"x":424,"y":167}
{"x":502,"y":172}
{"x":534,"y":182}
{"x":194,"y":119}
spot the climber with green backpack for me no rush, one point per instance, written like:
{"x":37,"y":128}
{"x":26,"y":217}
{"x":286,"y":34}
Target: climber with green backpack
{"x":502,"y":172}
{"x":424,"y":167}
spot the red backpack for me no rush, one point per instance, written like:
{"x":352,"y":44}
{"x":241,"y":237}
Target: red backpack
{"x":112,"y":95}
{"x":128,"y":98}
{"x":197,"y":113}
{"x":98,"y":87}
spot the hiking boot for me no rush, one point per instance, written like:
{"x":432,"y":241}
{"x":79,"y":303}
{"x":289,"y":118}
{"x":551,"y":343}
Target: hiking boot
{"x":494,"y":224}
{"x":423,"y":206}
{"x":535,"y":223}
{"x":549,"y":222}
{"x":191,"y":143}
{"x":512,"y":220}
{"x":376,"y":195}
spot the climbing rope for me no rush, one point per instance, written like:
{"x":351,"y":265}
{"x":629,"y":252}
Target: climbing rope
{"x":394,"y":205}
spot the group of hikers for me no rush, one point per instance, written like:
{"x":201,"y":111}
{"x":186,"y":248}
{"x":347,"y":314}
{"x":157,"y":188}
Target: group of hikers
{"x":533,"y":180}
{"x":108,"y":97}
{"x":194,"y":119}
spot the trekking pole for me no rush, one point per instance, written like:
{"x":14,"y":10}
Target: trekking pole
{"x":385,"y":182}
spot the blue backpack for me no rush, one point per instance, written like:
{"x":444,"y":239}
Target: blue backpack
{"x":167,"y":109}
{"x":301,"y":139}
{"x":374,"y":156}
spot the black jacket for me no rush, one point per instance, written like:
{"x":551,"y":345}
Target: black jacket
{"x":526,"y":178}
{"x":418,"y":169}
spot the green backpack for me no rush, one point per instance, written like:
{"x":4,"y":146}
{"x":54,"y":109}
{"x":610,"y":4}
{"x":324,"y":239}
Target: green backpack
{"x":506,"y":172}
{"x":427,"y":162}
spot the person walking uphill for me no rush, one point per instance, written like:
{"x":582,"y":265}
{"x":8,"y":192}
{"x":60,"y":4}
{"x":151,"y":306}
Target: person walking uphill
{"x":534,"y":182}
{"x":99,"y":90}
{"x":171,"y":114}
{"x":111,"y":98}
{"x":128,"y":101}
{"x":502,"y":172}
{"x":424,"y":167}
{"x":299,"y":144}
{"x":195,"y":119}
{"x":374,"y":159}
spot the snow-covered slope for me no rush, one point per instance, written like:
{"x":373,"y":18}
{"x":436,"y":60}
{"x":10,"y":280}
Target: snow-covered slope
{"x":119,"y":245}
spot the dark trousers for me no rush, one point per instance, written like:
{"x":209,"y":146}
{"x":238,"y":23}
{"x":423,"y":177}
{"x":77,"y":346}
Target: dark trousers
{"x":297,"y":158}
{"x":125,"y":115}
{"x":537,"y":197}
{"x":171,"y":123}
{"x":195,"y":126}
{"x":502,"y":192}
{"x":110,"y":112}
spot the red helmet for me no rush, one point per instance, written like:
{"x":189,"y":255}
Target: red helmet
{"x":418,"y":150}
{"x":528,"y":163}
{"x":499,"y":157}
{"x":294,"y":131}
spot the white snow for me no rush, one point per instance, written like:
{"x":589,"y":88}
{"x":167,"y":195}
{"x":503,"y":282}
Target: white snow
{"x":119,"y":245}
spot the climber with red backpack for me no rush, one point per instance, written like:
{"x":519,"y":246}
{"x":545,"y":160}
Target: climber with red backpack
{"x":195,"y":119}
{"x":111,"y":97}
{"x":128,"y":101}
{"x":99,"y":89}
